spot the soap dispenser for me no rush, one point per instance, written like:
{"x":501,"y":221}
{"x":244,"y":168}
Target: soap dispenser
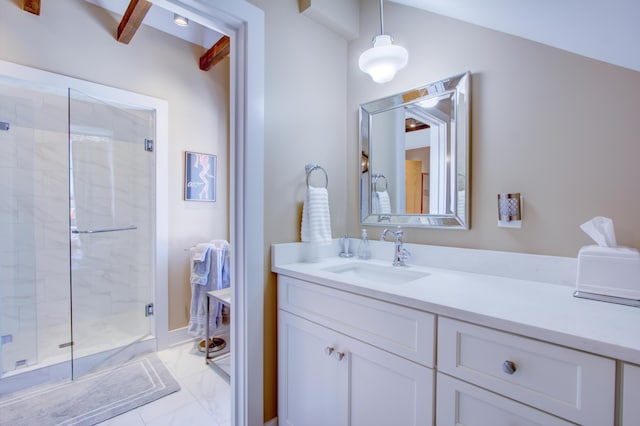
{"x":364,"y":250}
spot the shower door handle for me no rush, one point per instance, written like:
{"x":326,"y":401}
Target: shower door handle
{"x":96,"y":231}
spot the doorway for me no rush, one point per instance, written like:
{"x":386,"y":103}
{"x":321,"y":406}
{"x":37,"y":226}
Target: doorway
{"x":244,"y":24}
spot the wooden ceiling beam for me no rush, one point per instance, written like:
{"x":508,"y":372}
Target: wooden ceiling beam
{"x":214,"y":55}
{"x":132,"y":19}
{"x":31,"y":6}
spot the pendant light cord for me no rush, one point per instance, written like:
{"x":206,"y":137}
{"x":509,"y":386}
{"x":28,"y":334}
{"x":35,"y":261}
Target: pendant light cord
{"x":381,"y":19}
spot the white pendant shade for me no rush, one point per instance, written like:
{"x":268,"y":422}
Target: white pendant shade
{"x":383,"y":60}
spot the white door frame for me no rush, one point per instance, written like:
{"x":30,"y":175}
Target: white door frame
{"x":244,"y":24}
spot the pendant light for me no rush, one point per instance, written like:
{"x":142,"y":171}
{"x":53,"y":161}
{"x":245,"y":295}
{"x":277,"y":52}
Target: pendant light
{"x":384,"y":59}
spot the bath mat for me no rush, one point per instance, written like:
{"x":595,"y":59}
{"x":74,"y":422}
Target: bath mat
{"x":92,"y":398}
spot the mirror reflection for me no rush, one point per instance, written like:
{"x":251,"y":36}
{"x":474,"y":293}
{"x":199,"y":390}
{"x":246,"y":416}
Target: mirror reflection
{"x":414,"y":165}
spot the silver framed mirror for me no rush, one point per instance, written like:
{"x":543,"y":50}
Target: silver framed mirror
{"x":414,"y":165}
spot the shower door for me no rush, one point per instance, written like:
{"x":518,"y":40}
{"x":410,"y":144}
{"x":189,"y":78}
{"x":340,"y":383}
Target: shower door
{"x":34,"y":229}
{"x":112,"y":222}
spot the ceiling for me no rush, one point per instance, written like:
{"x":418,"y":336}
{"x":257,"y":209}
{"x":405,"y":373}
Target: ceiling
{"x":607,"y":30}
{"x":162,"y":19}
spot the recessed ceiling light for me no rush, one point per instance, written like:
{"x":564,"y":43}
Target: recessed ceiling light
{"x":179,"y":20}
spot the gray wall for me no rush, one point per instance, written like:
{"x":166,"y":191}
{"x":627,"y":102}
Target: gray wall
{"x":305,"y":122}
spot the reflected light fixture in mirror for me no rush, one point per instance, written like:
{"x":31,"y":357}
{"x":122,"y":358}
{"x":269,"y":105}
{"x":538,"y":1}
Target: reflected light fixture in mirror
{"x":429,"y":103}
{"x":180,"y":21}
{"x":384,"y":59}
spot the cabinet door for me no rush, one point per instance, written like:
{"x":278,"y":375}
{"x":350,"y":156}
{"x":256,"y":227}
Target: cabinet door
{"x":630,"y":395}
{"x":326,"y":378}
{"x":462,"y":404}
{"x":312,"y":380}
{"x":385,"y":389}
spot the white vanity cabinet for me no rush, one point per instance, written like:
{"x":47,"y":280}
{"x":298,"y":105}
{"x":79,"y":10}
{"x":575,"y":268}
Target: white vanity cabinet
{"x":630,"y":395}
{"x":488,"y":366}
{"x":345,"y":359}
{"x":450,"y":348}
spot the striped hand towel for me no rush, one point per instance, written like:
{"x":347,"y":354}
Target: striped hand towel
{"x":381,"y":203}
{"x":316,"y":220}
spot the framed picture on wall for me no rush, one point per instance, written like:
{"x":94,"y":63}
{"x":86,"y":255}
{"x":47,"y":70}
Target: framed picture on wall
{"x":199,"y":176}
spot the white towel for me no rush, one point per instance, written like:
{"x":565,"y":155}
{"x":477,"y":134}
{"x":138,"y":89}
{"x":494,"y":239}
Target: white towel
{"x":380,"y":202}
{"x":220,"y":264}
{"x":217,"y":278}
{"x":200,"y":264}
{"x":316,"y":219}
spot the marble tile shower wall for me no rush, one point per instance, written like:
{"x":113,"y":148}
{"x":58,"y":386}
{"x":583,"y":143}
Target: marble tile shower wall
{"x":112,"y":270}
{"x":34,"y":235}
{"x":33,"y":188}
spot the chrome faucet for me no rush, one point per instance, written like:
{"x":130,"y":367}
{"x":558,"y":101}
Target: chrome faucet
{"x":401,"y":254}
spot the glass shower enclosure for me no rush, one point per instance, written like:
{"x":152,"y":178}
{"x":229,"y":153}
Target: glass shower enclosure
{"x":77,"y":231}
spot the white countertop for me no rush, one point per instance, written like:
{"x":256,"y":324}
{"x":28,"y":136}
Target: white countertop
{"x":534,"y":309}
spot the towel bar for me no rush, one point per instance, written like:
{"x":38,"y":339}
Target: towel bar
{"x":311,"y":167}
{"x":374,"y":181}
{"x":97,"y":231}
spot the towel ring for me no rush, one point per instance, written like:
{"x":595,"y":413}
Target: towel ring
{"x":375,"y":177}
{"x":311,"y":167}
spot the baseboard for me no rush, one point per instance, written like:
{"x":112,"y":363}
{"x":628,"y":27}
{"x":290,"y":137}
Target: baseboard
{"x":178,"y":337}
{"x":272,"y":422}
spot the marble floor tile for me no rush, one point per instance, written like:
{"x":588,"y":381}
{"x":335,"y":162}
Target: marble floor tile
{"x":204,"y":397}
{"x":224,"y":362}
{"x":167,"y":405}
{"x":211,"y":391}
{"x":131,"y":418}
{"x":192,"y":415}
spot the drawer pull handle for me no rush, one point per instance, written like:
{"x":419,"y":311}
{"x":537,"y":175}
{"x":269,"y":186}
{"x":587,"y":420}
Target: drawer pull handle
{"x":339,"y":355}
{"x":328,"y":350}
{"x":509,"y":367}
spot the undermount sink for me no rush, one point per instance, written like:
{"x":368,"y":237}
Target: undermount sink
{"x":382,"y":274}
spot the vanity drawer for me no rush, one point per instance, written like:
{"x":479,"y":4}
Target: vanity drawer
{"x":400,"y":330}
{"x":462,"y":404}
{"x":571,"y":384}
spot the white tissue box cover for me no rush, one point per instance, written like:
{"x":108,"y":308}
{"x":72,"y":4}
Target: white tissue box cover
{"x":611,"y":271}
